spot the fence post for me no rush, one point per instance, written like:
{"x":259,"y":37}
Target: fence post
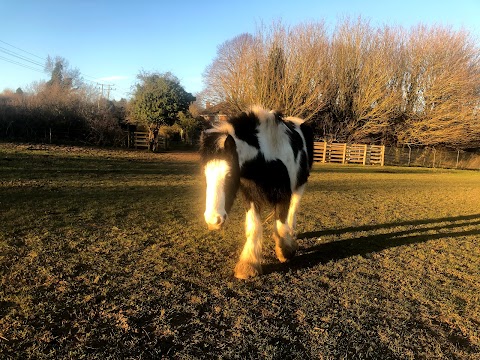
{"x":365,"y":155}
{"x":409,"y":154}
{"x":458,"y":156}
{"x":324,"y":152}
{"x":344,"y":153}
{"x":382,"y":156}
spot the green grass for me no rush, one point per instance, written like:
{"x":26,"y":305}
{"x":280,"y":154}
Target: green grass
{"x":104,"y":254}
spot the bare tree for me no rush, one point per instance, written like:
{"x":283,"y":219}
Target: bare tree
{"x":363,"y":83}
{"x":277,"y":67}
{"x":376,"y":100}
{"x":227,"y":78}
{"x":365,"y":79}
{"x":442,"y":82}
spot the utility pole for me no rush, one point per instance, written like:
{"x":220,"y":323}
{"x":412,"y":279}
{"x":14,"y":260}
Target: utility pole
{"x":107,"y":88}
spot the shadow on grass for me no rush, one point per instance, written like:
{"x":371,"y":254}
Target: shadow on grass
{"x":417,"y":231}
{"x":360,"y":169}
{"x":94,"y":166}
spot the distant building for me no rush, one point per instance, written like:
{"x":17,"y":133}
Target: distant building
{"x":215,"y":113}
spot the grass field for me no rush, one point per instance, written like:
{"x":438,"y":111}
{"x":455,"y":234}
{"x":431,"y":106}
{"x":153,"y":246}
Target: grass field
{"x":104,"y":254}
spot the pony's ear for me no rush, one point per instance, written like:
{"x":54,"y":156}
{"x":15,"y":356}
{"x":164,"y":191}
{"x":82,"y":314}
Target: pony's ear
{"x":229,"y":145}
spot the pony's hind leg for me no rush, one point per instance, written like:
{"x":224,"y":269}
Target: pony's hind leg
{"x":293,"y":208}
{"x":285,"y":243}
{"x":250,"y":263}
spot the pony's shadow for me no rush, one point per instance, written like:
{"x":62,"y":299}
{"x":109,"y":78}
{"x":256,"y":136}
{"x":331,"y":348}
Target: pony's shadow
{"x":411,"y":232}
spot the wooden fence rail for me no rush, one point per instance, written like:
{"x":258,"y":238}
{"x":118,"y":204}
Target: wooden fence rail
{"x":348,"y":153}
{"x":142,"y":140}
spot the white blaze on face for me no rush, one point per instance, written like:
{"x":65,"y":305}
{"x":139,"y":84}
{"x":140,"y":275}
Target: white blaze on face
{"x":215,"y":173}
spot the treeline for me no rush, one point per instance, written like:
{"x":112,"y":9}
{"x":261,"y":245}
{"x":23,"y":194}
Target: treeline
{"x":67,"y":110}
{"x":53,"y":113}
{"x":61,"y":110}
{"x":358,"y":83}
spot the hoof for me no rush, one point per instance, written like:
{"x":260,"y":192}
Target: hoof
{"x":245,"y":270}
{"x":286,"y":252}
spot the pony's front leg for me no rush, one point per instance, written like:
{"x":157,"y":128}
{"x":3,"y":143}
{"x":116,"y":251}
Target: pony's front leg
{"x":250,"y":263}
{"x":284,"y":232}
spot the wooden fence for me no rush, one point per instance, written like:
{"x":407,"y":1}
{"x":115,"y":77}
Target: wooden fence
{"x":141,"y":140}
{"x":348,"y":153}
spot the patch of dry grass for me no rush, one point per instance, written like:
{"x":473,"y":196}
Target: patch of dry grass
{"x":104,"y":254}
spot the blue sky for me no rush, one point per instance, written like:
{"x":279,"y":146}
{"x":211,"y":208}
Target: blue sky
{"x":111,"y":41}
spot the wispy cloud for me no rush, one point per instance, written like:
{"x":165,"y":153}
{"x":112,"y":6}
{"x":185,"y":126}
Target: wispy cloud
{"x":113,"y":78}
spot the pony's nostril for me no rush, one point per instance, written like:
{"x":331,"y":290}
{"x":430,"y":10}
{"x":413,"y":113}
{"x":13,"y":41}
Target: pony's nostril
{"x":219,"y":220}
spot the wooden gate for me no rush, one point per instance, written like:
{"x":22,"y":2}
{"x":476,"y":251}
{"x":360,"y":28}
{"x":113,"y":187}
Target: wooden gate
{"x":348,"y":153}
{"x":141,"y":140}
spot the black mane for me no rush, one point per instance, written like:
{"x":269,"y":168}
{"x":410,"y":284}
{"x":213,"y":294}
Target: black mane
{"x":209,"y":146}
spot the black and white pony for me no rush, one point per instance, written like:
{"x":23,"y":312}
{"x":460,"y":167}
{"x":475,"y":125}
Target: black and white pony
{"x":268,"y":158}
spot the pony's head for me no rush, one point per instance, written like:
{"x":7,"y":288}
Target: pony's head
{"x":222,"y":173}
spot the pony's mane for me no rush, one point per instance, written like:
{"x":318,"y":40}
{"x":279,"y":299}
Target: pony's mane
{"x":260,"y":113}
{"x":211,"y":142}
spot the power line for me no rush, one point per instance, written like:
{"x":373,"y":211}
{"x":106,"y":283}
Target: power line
{"x":94,"y":79}
{"x":123,"y":89}
{"x":14,"y":54}
{"x":25,"y":51}
{"x":20,"y":64}
{"x":105,"y":87}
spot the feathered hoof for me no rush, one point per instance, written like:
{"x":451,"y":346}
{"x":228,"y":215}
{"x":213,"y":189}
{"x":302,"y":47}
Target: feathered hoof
{"x":245,"y":270}
{"x":286,"y":252}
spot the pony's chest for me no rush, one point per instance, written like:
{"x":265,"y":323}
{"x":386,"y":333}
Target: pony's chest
{"x":267,"y":178}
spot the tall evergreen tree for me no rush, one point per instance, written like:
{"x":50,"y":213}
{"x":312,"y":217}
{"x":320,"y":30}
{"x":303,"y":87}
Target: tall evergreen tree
{"x":158,"y":98}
